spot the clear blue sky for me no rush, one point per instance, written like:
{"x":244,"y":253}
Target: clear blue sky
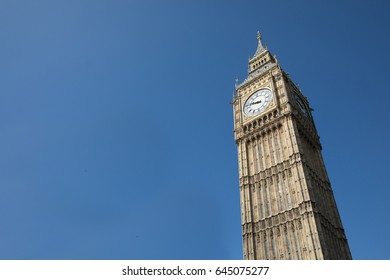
{"x":116,"y":134}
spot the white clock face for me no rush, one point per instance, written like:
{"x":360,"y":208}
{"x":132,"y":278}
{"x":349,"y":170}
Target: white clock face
{"x":257,"y":102}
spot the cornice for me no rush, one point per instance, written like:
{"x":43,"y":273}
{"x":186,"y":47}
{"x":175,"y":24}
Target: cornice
{"x":267,"y":67}
{"x":264,"y":124}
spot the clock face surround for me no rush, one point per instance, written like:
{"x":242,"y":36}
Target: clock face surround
{"x":301,"y":105}
{"x":258,"y":102}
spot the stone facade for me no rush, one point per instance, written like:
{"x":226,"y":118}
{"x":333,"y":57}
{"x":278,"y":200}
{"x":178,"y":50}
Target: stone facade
{"x":288,"y":209}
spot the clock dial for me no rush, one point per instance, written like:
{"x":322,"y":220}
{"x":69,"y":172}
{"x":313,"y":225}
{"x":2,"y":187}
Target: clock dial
{"x":258,"y":102}
{"x":301,"y":105}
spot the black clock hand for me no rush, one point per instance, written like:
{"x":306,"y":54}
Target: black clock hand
{"x":257,"y":102}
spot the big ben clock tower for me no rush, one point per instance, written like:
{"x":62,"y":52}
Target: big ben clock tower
{"x":288,"y":210}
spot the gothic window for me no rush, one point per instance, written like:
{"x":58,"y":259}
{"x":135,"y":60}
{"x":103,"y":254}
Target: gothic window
{"x":271,"y":140}
{"x":256,"y":151}
{"x":273,"y":245}
{"x":266,"y":247}
{"x":281,"y":203}
{"x":262,"y":155}
{"x":262,"y":203}
{"x":268,"y":201}
{"x":280,"y":152}
{"x":296,"y":243}
{"x":287,"y":243}
{"x":287,"y":192}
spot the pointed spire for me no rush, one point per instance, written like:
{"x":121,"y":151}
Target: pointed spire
{"x":260,"y":47}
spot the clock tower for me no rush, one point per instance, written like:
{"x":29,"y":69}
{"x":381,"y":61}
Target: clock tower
{"x":288,"y":210}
